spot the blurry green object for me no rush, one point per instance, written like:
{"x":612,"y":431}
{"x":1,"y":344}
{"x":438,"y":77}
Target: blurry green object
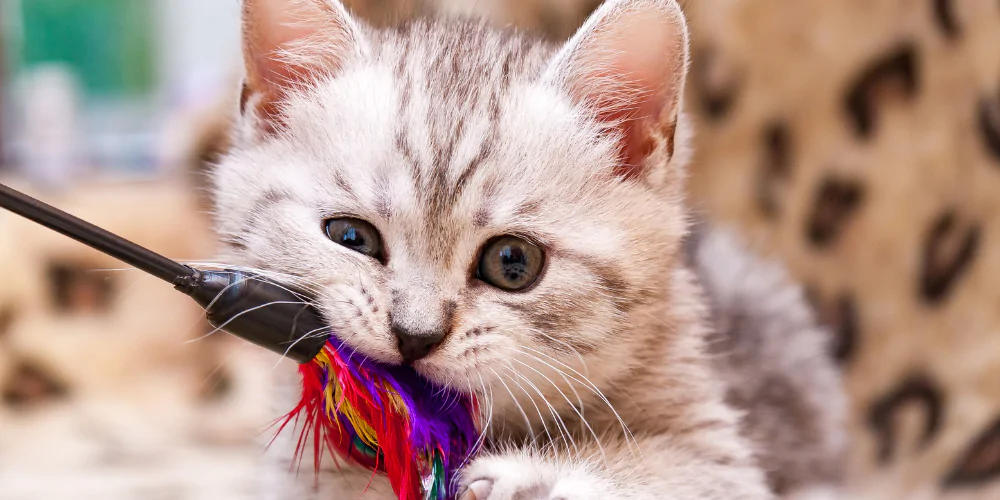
{"x":108,"y":43}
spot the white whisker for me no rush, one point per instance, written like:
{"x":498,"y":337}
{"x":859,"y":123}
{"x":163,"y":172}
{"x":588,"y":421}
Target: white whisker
{"x":310,"y":334}
{"x":527,"y":421}
{"x":241,"y":313}
{"x":583,"y":420}
{"x":593,"y":388}
{"x":564,"y":432}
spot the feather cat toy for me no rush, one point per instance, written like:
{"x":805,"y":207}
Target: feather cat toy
{"x":385,"y":417}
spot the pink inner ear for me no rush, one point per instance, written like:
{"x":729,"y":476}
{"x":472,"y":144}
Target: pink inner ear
{"x":271,"y":27}
{"x":266,"y":53}
{"x":638,"y":120}
{"x":640,"y":60}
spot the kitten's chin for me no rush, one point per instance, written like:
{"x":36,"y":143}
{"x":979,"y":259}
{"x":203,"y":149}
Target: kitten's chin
{"x":439,"y":373}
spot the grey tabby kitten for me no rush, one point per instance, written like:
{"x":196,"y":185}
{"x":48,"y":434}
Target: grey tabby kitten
{"x":507,"y":217}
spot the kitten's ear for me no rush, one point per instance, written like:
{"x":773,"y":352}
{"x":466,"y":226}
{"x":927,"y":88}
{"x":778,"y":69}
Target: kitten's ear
{"x":289,"y":43}
{"x":628,"y":63}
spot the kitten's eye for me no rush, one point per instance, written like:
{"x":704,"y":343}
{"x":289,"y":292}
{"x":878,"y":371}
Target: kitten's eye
{"x":510,"y":263}
{"x":357,"y":235}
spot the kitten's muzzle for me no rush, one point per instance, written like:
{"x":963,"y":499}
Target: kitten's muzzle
{"x":414,"y":345}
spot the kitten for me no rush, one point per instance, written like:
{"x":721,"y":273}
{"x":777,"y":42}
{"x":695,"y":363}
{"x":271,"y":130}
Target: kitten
{"x":507,"y":217}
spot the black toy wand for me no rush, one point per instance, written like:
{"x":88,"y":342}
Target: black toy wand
{"x":270,"y":315}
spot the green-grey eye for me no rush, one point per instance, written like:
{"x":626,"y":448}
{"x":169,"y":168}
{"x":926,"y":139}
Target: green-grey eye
{"x":355,"y":234}
{"x":510,"y":263}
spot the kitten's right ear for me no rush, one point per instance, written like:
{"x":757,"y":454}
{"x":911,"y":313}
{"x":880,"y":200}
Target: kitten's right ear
{"x":289,"y":44}
{"x":627,"y":64}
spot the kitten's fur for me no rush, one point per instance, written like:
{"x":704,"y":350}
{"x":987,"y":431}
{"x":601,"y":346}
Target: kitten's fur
{"x":444,"y":134}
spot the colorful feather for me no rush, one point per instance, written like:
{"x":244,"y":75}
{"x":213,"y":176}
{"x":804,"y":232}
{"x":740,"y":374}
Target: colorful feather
{"x":387,"y":418}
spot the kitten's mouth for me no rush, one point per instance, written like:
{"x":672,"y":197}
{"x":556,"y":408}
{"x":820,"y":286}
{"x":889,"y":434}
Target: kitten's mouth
{"x":426,"y":359}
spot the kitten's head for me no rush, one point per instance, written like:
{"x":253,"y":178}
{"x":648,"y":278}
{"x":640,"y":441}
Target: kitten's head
{"x":466,"y":200}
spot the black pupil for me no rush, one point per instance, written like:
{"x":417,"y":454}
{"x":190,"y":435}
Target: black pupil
{"x":513,"y":263}
{"x":352,"y":238}
{"x":510,"y":263}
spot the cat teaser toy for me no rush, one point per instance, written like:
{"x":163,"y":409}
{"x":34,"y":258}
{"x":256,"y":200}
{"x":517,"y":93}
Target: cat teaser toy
{"x":384,"y":417}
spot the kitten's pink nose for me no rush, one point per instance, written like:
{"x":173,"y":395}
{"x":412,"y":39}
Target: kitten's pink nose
{"x":416,"y":345}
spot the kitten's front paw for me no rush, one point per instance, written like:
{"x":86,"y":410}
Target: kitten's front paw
{"x":524,"y":477}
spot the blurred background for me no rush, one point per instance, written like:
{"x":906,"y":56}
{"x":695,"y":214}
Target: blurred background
{"x":857,"y":141}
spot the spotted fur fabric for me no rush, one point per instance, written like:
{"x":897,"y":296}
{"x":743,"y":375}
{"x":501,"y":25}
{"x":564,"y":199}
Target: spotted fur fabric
{"x":857,"y":142}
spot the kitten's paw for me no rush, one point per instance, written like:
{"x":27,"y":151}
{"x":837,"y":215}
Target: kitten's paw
{"x":523,"y":477}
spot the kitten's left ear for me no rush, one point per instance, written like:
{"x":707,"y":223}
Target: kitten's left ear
{"x":628,"y":64}
{"x":288,"y":44}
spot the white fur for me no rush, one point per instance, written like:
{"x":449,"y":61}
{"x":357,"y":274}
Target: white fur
{"x":595,"y":382}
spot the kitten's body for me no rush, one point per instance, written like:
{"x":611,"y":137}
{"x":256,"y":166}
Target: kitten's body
{"x":598,"y":380}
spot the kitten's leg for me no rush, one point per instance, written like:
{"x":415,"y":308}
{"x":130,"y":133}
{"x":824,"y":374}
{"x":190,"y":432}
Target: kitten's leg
{"x":663,"y":468}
